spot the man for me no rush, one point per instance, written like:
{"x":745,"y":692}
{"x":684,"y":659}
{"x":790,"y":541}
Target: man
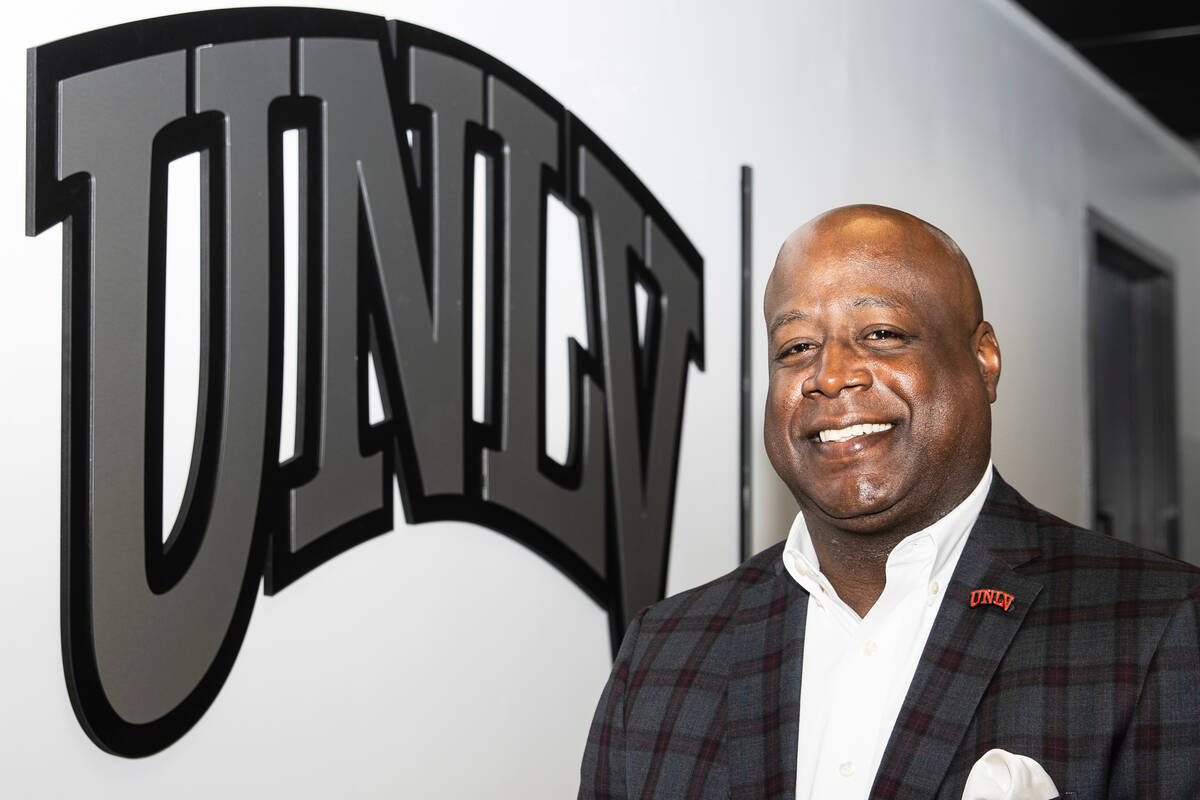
{"x":921,"y":613}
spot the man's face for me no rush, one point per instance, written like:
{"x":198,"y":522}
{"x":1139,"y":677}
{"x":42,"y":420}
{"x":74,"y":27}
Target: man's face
{"x":877,"y":413}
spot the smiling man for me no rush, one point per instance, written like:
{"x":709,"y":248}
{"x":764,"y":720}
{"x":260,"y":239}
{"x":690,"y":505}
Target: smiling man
{"x":923,"y":630}
{"x":882,"y":371}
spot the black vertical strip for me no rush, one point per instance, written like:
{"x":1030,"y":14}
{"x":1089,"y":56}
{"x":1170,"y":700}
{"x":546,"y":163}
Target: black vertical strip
{"x":746,"y":527}
{"x":294,"y":65}
{"x":190,"y":92}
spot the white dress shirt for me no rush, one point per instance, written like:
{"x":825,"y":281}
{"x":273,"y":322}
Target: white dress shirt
{"x":857,"y":670}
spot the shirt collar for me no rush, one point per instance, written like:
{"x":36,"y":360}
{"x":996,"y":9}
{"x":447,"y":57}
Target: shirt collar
{"x":948,"y":535}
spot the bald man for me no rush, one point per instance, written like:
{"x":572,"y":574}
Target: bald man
{"x":923,"y":631}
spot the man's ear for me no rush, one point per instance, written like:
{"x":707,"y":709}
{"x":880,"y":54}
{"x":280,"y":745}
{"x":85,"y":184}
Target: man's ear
{"x":987,"y":357}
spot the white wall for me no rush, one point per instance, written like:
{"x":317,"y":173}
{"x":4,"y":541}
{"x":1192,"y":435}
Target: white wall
{"x":444,"y":660}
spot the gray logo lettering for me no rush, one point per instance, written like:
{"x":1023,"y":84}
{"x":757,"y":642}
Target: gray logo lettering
{"x":391,"y":117}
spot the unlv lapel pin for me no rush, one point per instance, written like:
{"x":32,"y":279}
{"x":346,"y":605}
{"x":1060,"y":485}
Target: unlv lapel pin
{"x":991,"y":596}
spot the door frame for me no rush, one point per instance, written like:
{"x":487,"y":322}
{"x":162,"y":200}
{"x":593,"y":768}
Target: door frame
{"x":1154,"y":274}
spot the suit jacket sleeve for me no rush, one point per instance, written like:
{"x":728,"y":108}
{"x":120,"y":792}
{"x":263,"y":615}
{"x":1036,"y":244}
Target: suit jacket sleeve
{"x":604,"y":770}
{"x":1159,"y":755}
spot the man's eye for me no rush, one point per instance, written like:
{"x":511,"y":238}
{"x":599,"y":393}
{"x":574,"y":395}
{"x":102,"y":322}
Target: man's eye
{"x":796,"y":349}
{"x":883,"y":334}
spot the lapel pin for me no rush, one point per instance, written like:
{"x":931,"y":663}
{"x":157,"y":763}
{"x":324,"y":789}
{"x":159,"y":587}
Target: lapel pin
{"x":991,"y":597}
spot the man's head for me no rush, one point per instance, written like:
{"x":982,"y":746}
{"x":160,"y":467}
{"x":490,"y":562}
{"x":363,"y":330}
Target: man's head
{"x":882,"y":370}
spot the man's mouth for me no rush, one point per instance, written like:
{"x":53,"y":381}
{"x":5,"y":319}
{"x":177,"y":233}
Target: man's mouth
{"x":852,"y":431}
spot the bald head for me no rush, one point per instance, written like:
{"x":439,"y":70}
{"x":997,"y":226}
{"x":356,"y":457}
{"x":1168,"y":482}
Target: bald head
{"x":868,"y":234}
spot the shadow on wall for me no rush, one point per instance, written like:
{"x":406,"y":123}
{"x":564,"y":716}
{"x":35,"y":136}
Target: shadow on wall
{"x":774,"y":507}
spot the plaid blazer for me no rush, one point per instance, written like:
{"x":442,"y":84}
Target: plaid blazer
{"x":1093,"y":671}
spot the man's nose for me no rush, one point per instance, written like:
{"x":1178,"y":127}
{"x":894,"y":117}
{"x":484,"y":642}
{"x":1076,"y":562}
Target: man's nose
{"x":837,"y":367}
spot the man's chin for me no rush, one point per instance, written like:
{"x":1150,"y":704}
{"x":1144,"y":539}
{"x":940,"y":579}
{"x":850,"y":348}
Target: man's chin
{"x":877,"y":512}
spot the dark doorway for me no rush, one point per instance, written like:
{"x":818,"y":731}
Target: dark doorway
{"x":1132,"y":338}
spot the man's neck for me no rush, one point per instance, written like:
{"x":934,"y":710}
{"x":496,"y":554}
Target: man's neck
{"x":855,"y":564}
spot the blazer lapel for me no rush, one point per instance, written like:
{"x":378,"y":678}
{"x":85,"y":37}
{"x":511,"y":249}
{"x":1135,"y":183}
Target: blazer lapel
{"x":965,"y":646}
{"x":764,"y":690}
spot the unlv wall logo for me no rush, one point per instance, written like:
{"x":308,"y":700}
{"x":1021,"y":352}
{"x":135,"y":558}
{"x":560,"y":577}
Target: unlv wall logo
{"x":151,"y":630}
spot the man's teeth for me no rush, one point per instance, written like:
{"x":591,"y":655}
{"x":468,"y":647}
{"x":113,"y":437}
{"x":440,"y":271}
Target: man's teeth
{"x":843,"y":434}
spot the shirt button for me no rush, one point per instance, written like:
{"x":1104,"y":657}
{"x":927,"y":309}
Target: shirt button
{"x":847,"y":769}
{"x":870,"y":647}
{"x":933,"y":587}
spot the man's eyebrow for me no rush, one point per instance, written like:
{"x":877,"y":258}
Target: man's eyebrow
{"x":874,"y":301}
{"x":785,"y":318}
{"x":866,"y":301}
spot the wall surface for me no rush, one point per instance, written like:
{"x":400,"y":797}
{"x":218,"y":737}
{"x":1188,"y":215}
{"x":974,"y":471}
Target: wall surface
{"x":443,"y":660}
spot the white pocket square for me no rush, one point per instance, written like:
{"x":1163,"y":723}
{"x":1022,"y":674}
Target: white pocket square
{"x":1001,"y":775}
